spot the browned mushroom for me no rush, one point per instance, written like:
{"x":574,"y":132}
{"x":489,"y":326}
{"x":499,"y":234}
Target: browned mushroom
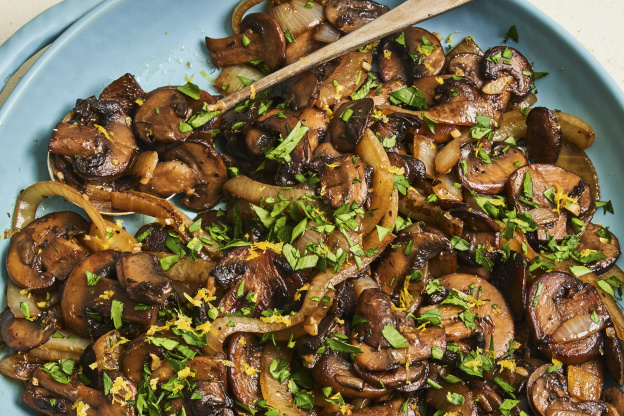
{"x":480,"y":231}
{"x":349,"y":15}
{"x":299,"y":92}
{"x":565,"y":317}
{"x":333,"y":370}
{"x":598,"y":239}
{"x":125,"y":90}
{"x":543,"y":136}
{"x":142,"y":277}
{"x":158,"y":118}
{"x":550,"y":187}
{"x":260,"y":37}
{"x":410,"y":55}
{"x":466,"y":65}
{"x":348,"y":125}
{"x":343,"y":181}
{"x":414,"y":254}
{"x":261,"y":272}
{"x":32,"y":261}
{"x":193,"y":167}
{"x":22,"y":334}
{"x":614,"y":396}
{"x":87,"y":301}
{"x":502,"y":60}
{"x":244,"y":375}
{"x":510,"y":278}
{"x":437,"y":398}
{"x":101,"y":150}
{"x":486,"y":168}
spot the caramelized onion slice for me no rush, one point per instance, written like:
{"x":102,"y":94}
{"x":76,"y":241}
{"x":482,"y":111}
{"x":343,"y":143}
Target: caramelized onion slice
{"x":276,"y":394}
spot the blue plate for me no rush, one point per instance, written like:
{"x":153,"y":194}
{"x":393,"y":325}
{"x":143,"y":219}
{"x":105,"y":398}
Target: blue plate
{"x":161,"y":42}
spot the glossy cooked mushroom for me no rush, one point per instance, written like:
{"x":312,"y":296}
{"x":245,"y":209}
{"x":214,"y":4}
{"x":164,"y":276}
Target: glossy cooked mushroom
{"x":349,"y":15}
{"x":193,"y":167}
{"x":347,"y":127}
{"x":543,"y":136}
{"x":565,"y":317}
{"x":158,"y":119}
{"x":22,"y":334}
{"x":142,"y":277}
{"x":486,"y":168}
{"x":33,"y":263}
{"x":344,"y":181}
{"x":260,"y":37}
{"x":501,"y":61}
{"x":466,"y":65}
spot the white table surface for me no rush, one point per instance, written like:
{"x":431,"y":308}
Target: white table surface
{"x":596,"y":24}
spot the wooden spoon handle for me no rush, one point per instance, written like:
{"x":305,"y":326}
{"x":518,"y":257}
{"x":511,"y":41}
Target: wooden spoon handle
{"x":405,"y":15}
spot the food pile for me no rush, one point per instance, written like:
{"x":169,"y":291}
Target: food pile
{"x":404,"y":233}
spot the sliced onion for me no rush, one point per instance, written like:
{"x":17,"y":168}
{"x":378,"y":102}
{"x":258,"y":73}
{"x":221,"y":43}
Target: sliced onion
{"x":319,"y":287}
{"x":253,"y":191}
{"x":468,"y":45}
{"x":449,"y":156}
{"x":425,"y":150}
{"x":615,"y":313}
{"x":584,"y":385}
{"x":444,"y":187}
{"x":528,"y":101}
{"x":276,"y":394}
{"x":327,"y":33}
{"x":164,"y":211}
{"x":239,"y":11}
{"x":144,"y":165}
{"x":576,"y":328}
{"x":293,"y":15}
{"x":229,"y":78}
{"x":70,"y":346}
{"x":498,"y":85}
{"x":362,"y":283}
{"x":512,"y":124}
{"x":575,"y":130}
{"x":15,"y":298}
{"x":372,"y":152}
{"x":31,"y":197}
{"x":543,"y":216}
{"x":189,"y":271}
{"x":348,"y":76}
{"x":575,"y":160}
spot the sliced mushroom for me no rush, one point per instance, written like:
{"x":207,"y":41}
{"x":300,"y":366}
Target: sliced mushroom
{"x":591,"y":239}
{"x":244,"y":377}
{"x":437,"y":398}
{"x":502,"y":60}
{"x":566,"y":187}
{"x":348,"y":124}
{"x":333,"y":370}
{"x":543,"y":136}
{"x":488,"y":173}
{"x":142,"y":277}
{"x":614,"y":396}
{"x":27,"y":264}
{"x":80,"y":298}
{"x":510,"y":278}
{"x":454,"y":90}
{"x":414,"y":169}
{"x":343,"y":181}
{"x":565,"y":317}
{"x":22,"y":334}
{"x":299,"y":92}
{"x":193,"y":167}
{"x":395,"y":125}
{"x":214,"y":399}
{"x":492,"y":305}
{"x":260,"y":37}
{"x":125,"y":90}
{"x":139,"y":353}
{"x":263,"y":272}
{"x":377,"y":309}
{"x":412,"y":252}
{"x":614,"y":355}
{"x":480,"y":230}
{"x":158,"y":118}
{"x":349,"y":15}
{"x":466,"y":65}
{"x":412,"y":54}
{"x":305,"y":43}
{"x":402,"y":379}
{"x":19,"y":366}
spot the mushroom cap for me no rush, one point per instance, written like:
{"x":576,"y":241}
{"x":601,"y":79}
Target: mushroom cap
{"x":245,"y":351}
{"x":266,"y":42}
{"x":24,"y":263}
{"x":158,"y":118}
{"x":501,"y":316}
{"x":495,"y":64}
{"x":489,"y":178}
{"x":22,"y":334}
{"x":142,"y":277}
{"x":466,"y":65}
{"x":345,"y":135}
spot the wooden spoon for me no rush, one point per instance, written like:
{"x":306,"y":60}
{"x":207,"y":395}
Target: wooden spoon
{"x":407,"y":14}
